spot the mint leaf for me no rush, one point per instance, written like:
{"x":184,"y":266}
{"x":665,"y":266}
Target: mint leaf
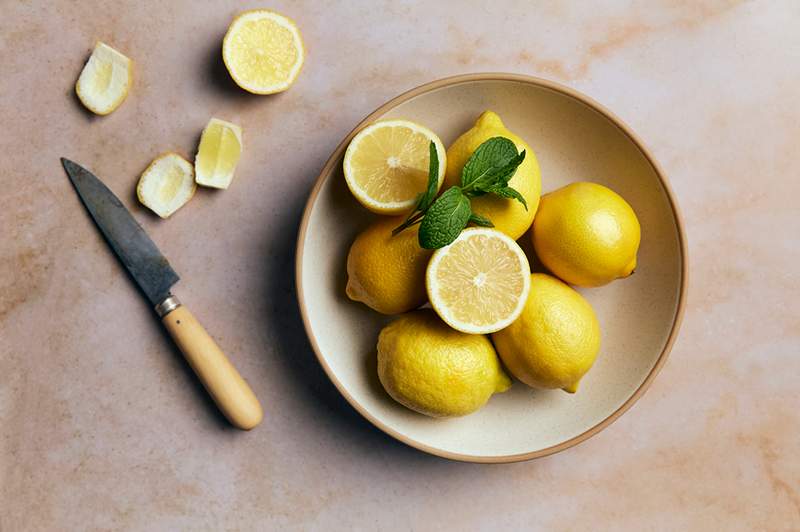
{"x":425,"y":199}
{"x":485,"y":162}
{"x":479,"y":220}
{"x":445,"y":219}
{"x":433,"y":180}
{"x":504,"y":174}
{"x":508,"y":192}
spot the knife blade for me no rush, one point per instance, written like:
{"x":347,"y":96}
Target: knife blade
{"x":140,"y":256}
{"x":153,"y":274}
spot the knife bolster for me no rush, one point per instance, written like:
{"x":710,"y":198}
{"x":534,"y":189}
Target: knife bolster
{"x":169,"y":304}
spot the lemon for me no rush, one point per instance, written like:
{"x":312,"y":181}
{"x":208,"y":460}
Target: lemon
{"x":263,"y":51}
{"x":385,"y":272}
{"x":586,"y":234}
{"x":105,"y":79}
{"x":218,"y":153}
{"x":479,"y":283}
{"x":555,"y":340}
{"x":167,"y":184}
{"x":386,"y":165}
{"x":507,"y":215}
{"x":432,"y":369}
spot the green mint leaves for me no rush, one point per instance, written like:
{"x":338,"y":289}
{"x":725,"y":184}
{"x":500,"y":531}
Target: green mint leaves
{"x":487,"y":171}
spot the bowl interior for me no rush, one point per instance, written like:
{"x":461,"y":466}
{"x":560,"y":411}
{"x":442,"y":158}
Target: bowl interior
{"x":573,"y":142}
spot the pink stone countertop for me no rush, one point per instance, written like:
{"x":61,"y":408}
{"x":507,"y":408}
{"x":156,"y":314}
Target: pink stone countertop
{"x":104,"y":426}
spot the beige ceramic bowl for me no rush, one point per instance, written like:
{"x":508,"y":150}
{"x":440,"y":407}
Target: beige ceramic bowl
{"x":575,"y":139}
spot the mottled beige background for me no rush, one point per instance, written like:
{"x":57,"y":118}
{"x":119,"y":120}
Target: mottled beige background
{"x":104,"y":427}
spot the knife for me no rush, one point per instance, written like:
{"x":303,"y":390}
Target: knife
{"x":151,"y":271}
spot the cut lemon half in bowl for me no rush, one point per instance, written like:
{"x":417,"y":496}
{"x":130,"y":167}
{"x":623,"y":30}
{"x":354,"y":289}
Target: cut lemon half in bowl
{"x":105,"y":80}
{"x":263,"y":51}
{"x":479,"y":283}
{"x":218,"y":154}
{"x":386,"y":165}
{"x":167,"y":184}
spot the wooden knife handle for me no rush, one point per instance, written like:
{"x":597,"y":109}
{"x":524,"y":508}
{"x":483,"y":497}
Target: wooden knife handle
{"x":229,"y":390}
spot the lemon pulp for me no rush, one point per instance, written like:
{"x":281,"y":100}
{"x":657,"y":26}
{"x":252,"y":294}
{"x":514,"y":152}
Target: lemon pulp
{"x":218,"y":154}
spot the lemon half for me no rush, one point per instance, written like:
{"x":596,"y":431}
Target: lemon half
{"x":386,"y":165}
{"x":263,"y":51}
{"x":480,"y":282}
{"x":218,"y":153}
{"x":105,"y":80}
{"x":167,"y":184}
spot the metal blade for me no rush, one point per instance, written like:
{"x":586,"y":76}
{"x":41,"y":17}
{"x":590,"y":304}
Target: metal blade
{"x":148,"y":267}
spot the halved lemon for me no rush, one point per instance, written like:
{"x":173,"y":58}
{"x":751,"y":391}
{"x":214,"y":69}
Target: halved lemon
{"x":218,"y":154}
{"x":263,"y":51}
{"x":104,"y":80}
{"x":167,"y":184}
{"x":480,"y":282}
{"x":386,"y":165}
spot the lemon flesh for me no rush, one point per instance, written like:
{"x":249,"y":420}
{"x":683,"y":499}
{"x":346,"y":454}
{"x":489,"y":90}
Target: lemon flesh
{"x":218,"y":153}
{"x":385,"y":272}
{"x":167,"y":184}
{"x":430,"y":368}
{"x":105,"y":80}
{"x":263,"y":51}
{"x":555,"y":340}
{"x":507,"y":215}
{"x":386,"y":165}
{"x":479,"y":283}
{"x":586,"y":234}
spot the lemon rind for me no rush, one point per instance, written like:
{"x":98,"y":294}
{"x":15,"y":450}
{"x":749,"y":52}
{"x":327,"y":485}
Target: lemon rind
{"x":394,"y":207}
{"x":444,"y":312}
{"x":282,"y":20}
{"x":156,"y":206}
{"x":86,"y":99}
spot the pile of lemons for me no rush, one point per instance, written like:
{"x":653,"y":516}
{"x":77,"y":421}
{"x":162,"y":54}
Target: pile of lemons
{"x":489,"y":314}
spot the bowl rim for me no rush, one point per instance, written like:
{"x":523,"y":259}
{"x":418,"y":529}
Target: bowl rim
{"x":337,"y":154}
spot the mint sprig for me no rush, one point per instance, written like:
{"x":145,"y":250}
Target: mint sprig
{"x":488,"y":171}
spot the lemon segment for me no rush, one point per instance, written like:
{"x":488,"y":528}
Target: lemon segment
{"x":555,"y":340}
{"x":428,"y":367}
{"x":167,"y":184}
{"x":386,"y":165}
{"x":263,"y":51}
{"x":218,"y":153}
{"x":480,"y":282}
{"x":105,"y":80}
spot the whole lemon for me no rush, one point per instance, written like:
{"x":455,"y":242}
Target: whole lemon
{"x":555,"y":340}
{"x":435,"y":370}
{"x":385,"y":272}
{"x":507,"y":215}
{"x":586,"y":234}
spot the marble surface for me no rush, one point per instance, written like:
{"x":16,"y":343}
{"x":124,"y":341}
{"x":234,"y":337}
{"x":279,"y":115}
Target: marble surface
{"x":104,"y":426}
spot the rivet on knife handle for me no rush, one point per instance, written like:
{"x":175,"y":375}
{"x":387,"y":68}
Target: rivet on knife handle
{"x":227,"y":388}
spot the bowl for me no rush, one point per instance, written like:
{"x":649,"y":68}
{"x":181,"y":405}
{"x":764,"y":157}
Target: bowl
{"x":575,"y":139}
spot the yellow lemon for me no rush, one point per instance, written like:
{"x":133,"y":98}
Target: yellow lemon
{"x":555,"y":340}
{"x":167,"y":184}
{"x":263,"y":51}
{"x":479,"y":283}
{"x":428,"y":367}
{"x":218,"y":154}
{"x":105,"y":79}
{"x":385,"y":272}
{"x":586,"y":234}
{"x":386,"y":165}
{"x":507,"y":215}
